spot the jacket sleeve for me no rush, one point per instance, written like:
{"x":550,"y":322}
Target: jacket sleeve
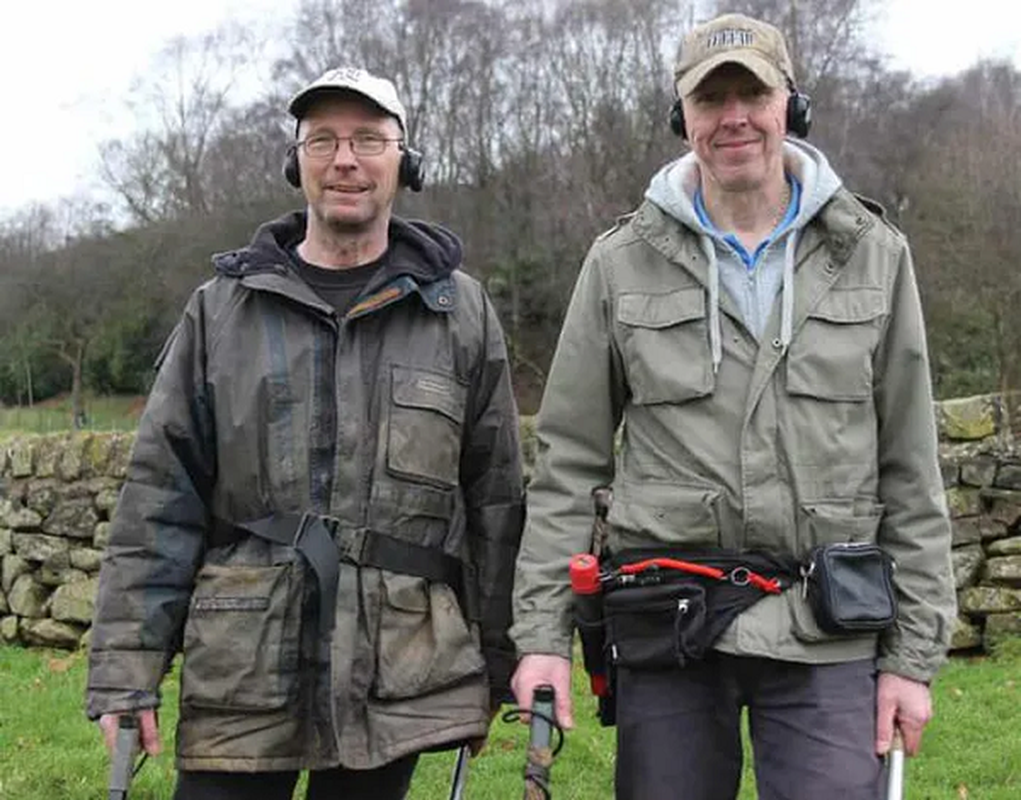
{"x":493,"y":488}
{"x":915,"y":528}
{"x":581,"y":408}
{"x":158,"y":531}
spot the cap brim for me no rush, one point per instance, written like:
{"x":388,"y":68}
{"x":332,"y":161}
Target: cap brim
{"x":758,"y":65}
{"x":301,"y":102}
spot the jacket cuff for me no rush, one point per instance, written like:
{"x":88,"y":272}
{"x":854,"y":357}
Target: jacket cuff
{"x":917,"y":663}
{"x":541,"y":634}
{"x":123,"y":680}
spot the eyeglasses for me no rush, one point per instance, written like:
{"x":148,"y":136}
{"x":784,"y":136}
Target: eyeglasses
{"x":324,"y":145}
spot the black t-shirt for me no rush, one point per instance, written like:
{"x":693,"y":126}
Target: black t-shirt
{"x":338,"y":287}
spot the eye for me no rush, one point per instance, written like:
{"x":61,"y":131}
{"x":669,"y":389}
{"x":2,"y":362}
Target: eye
{"x":321,"y":143}
{"x":369,"y":137}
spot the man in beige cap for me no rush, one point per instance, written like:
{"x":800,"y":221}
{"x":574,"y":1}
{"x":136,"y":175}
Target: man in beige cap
{"x":325,"y":498}
{"x":753,"y":334}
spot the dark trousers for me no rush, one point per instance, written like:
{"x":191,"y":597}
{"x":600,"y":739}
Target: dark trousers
{"x":389,"y":782}
{"x":813,"y":730}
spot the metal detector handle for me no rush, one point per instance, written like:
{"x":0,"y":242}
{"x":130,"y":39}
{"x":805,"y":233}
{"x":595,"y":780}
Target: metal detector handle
{"x":895,"y":768}
{"x":123,"y":763}
{"x":540,"y":738}
{"x":460,"y":776}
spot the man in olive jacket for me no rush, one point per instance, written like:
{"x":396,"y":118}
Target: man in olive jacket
{"x":325,"y":499}
{"x":754,"y":333}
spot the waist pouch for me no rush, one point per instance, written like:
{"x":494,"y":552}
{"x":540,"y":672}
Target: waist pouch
{"x":850,"y":588}
{"x":661,"y":618}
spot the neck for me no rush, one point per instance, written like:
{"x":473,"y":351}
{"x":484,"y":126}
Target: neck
{"x":751,"y":214}
{"x":338,"y":248}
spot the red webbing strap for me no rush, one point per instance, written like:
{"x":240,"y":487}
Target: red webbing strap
{"x":767,"y":585}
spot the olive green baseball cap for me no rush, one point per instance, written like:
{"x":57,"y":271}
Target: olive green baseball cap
{"x":733,"y":39}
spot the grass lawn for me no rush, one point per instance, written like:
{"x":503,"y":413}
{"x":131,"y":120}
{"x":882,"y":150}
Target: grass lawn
{"x":48,"y":751}
{"x":103,"y":413}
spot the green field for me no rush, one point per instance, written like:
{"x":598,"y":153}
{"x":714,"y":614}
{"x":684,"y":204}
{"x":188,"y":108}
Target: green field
{"x":103,"y":413}
{"x":48,"y":751}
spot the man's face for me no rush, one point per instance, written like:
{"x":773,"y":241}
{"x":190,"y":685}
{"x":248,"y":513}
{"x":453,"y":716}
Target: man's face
{"x":735,"y":125}
{"x":347,"y":192}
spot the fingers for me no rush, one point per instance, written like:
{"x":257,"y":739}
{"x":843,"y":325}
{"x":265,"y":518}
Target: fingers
{"x":885,"y":711}
{"x":108,"y":725}
{"x":537,"y":669}
{"x":149,"y":731}
{"x":564,"y":708}
{"x":911,"y":730}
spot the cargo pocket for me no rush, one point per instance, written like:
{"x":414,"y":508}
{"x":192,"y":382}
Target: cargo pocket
{"x":242,"y":638}
{"x":824,"y":522}
{"x":655,"y":627}
{"x":669,"y":513}
{"x":666,"y":346}
{"x":831,"y":356}
{"x":424,"y":642}
{"x":424,"y":427}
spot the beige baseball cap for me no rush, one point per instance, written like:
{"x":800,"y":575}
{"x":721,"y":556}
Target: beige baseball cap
{"x":379,"y":90}
{"x":733,"y":39}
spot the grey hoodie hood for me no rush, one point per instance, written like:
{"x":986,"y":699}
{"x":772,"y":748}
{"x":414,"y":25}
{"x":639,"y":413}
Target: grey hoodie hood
{"x":673,"y":188}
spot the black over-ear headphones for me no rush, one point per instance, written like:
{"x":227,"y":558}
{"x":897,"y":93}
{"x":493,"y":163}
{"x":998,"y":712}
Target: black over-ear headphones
{"x":411,"y":172}
{"x":799,"y":115}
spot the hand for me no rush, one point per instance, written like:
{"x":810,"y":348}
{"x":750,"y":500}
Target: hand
{"x":903,"y":703}
{"x":536,"y":669}
{"x":148,"y":729}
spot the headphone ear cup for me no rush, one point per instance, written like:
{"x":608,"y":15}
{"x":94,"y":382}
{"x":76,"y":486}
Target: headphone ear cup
{"x":412,"y":170}
{"x":677,"y":119}
{"x":799,"y":114}
{"x":292,"y":173}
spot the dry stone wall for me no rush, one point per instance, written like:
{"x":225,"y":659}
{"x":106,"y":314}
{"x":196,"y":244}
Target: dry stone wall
{"x":58,"y":493}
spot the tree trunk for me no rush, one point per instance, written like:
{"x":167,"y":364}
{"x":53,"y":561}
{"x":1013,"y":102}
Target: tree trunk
{"x":77,"y":402}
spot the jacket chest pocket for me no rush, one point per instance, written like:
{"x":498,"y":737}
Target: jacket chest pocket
{"x":831,"y":356}
{"x":424,"y":427}
{"x":665,"y":341}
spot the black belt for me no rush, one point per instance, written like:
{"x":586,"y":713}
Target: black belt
{"x":324,"y":544}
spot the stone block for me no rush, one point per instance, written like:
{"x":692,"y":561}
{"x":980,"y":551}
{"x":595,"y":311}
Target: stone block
{"x":48,"y":576}
{"x":120,"y":455}
{"x":73,"y":518}
{"x":968,"y":418}
{"x":106,"y":501}
{"x":39,"y":546}
{"x":951,"y":472}
{"x":49,"y":633}
{"x":9,"y":629}
{"x":1003,"y":506}
{"x":4,"y":607}
{"x":97,"y":454}
{"x":86,"y":559}
{"x":965,"y":635}
{"x":979,"y":471}
{"x":967,"y":563}
{"x":983,"y":600}
{"x":1005,"y":547}
{"x":966,"y":530}
{"x":1003,"y":571}
{"x":85,"y":642}
{"x":41,"y":496}
{"x":20,"y":518}
{"x":13,"y":567}
{"x":22,"y":457}
{"x":963,"y":502}
{"x":6,"y":542}
{"x":1008,"y":476}
{"x":101,"y":536}
{"x":28,"y":597}
{"x":73,"y":459}
{"x":47,"y":455}
{"x":75,"y":602}
{"x":1002,"y":626}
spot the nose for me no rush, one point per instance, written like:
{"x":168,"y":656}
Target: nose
{"x":344,"y":158}
{"x":735,"y":111}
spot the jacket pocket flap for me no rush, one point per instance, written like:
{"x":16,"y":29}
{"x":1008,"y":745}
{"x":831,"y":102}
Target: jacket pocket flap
{"x":661,"y":310}
{"x":419,"y":388}
{"x":850,"y":306}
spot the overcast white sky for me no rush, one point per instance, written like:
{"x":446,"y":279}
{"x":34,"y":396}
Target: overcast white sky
{"x":67,"y":68}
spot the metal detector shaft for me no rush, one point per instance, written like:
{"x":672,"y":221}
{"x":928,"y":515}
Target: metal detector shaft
{"x":537,"y":768}
{"x":895,"y":769}
{"x":123,"y":763}
{"x":460,"y":775}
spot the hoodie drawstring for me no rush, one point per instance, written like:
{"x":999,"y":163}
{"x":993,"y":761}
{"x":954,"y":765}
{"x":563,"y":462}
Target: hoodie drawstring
{"x":715,"y":331}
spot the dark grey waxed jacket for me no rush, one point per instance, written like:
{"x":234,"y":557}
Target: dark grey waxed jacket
{"x":398,"y":417}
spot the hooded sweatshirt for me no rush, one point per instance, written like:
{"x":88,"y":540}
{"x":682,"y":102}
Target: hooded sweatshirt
{"x":754,"y":290}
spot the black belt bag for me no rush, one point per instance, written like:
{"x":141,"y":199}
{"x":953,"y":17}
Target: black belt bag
{"x":663,"y":617}
{"x":850,"y":588}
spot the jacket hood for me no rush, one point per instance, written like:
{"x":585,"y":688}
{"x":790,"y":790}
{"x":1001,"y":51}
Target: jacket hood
{"x":423,"y":250}
{"x":672,"y":189}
